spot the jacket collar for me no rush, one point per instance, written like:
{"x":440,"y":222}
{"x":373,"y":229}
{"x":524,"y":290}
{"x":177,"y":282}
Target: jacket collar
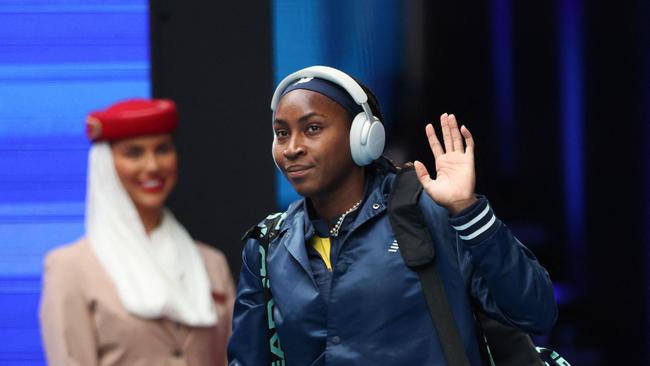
{"x":299,"y":228}
{"x":377,"y":189}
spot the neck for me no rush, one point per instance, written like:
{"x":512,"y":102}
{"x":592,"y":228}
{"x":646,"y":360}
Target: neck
{"x":151,"y":218}
{"x":333,"y":204}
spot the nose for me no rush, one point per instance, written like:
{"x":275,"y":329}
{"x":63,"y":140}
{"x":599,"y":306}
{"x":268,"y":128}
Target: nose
{"x":151,"y":163}
{"x":294,"y":148}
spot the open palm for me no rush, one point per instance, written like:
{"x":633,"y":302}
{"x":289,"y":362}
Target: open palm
{"x":453,"y":187}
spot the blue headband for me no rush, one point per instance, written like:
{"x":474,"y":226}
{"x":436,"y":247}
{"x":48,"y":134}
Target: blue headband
{"x":328,"y":89}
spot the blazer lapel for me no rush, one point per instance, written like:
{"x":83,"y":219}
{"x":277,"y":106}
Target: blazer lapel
{"x":294,"y":242}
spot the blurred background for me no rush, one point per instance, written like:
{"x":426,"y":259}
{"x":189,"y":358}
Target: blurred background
{"x":557,"y":95}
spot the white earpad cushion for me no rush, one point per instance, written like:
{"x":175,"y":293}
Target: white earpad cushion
{"x":355,"y":138}
{"x":365,"y":154}
{"x":376,"y":140}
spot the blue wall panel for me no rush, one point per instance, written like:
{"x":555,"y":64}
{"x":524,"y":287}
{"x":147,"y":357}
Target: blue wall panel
{"x":58,"y":60}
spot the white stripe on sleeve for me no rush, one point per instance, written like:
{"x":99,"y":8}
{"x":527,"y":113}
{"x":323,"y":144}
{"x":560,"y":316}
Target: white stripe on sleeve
{"x":479,"y":231}
{"x":474,"y":220}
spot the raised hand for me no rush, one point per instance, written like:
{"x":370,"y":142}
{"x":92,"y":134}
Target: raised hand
{"x":455,"y":180}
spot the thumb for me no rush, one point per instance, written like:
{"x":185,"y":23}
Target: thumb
{"x":422,"y":173}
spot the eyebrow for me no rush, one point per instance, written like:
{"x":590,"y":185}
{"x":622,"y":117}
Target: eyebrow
{"x":301,"y":120}
{"x":131,"y":148}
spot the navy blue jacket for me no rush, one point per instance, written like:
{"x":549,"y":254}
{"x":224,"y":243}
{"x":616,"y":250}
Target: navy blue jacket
{"x":376,"y":313}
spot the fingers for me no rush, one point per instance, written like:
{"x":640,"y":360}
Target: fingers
{"x":446,"y":132}
{"x":456,"y":138}
{"x":422,"y":173}
{"x":452,"y":136}
{"x":436,"y":148}
{"x":469,"y":140}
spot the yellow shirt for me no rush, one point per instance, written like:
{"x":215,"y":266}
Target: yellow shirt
{"x":322,"y":246}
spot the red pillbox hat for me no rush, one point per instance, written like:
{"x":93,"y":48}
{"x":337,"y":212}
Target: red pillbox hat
{"x":131,"y":118}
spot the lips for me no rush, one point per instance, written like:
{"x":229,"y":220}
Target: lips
{"x":297,"y":171}
{"x":152,"y":185}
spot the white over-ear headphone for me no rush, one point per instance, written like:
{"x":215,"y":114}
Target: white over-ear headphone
{"x":367,"y":135}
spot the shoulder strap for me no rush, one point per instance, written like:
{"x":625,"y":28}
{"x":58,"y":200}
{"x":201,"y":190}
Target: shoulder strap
{"x":417,"y":249}
{"x":415,"y":242}
{"x":267,"y":230}
{"x":264,"y":234}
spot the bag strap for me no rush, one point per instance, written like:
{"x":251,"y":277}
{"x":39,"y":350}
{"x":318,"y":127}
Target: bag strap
{"x":264,"y":234}
{"x":417,"y":249}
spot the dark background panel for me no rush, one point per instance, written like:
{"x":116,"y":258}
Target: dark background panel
{"x":578,"y":93}
{"x":214,"y":60}
{"x":615,"y":259}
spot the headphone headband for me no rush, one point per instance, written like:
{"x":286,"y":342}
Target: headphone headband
{"x":367,"y":135}
{"x":338,"y":77}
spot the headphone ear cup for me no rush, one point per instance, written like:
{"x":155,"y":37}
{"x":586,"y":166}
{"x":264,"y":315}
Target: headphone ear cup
{"x":376,"y":140}
{"x":355,"y":138}
{"x":364,"y":154}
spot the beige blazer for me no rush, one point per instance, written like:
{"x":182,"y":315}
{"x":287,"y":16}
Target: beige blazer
{"x":84,"y":323}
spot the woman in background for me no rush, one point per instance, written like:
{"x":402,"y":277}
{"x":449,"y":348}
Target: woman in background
{"x":137,"y":289}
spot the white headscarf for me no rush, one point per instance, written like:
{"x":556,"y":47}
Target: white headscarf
{"x":161,"y":275}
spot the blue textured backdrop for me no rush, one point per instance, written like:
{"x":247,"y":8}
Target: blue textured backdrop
{"x":58,"y":60}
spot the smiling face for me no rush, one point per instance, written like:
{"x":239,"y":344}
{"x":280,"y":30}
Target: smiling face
{"x":311,"y":144}
{"x":147,"y":168}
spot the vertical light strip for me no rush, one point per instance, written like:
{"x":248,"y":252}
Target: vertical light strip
{"x":572,"y":122}
{"x":502,"y":64}
{"x":297,"y":43}
{"x":646,"y":175}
